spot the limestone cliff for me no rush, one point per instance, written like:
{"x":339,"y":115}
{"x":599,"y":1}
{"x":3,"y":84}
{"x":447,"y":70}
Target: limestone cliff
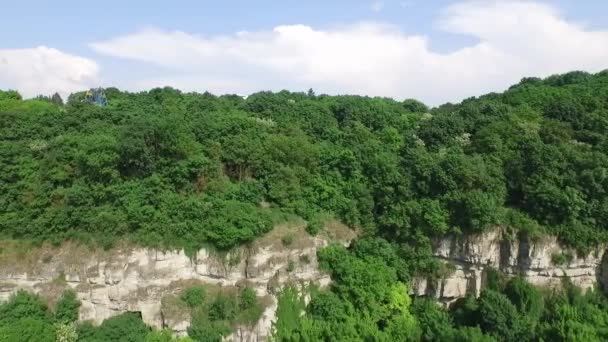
{"x":543,"y":262}
{"x":137,"y":279}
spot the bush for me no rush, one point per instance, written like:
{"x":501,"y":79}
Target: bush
{"x":202,"y":330}
{"x":127,"y":327}
{"x":291,"y":266}
{"x":193,"y":296}
{"x":287,"y":240}
{"x":498,"y":317}
{"x":66,"y":309}
{"x":527,"y":299}
{"x":314,"y":227}
{"x":247,"y":298}
{"x":23,"y":305}
{"x":66,"y":332}
{"x":223,"y":308}
{"x":561,"y":259}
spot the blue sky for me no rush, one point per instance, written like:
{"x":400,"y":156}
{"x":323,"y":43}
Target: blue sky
{"x":115,"y":43}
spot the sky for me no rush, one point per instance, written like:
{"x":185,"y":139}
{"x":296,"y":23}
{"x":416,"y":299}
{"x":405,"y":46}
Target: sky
{"x":435,"y":51}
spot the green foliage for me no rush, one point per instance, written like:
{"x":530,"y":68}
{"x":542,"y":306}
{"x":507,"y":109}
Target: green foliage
{"x":495,"y":279}
{"x":159,"y":336}
{"x":223,"y":308}
{"x":193,"y":296}
{"x":287,"y":240}
{"x":215,"y":313}
{"x":561,"y":259}
{"x":202,"y":330}
{"x":415,"y":106}
{"x":169,"y":169}
{"x":28,"y":329}
{"x":23,"y":305}
{"x":127,"y":327}
{"x":435,"y":323}
{"x":526,"y":298}
{"x":165,"y":335}
{"x":498,"y":316}
{"x":247,"y":298}
{"x":66,"y":309}
{"x":184,"y":170}
{"x":10,"y":95}
{"x":314,"y":226}
{"x":289,"y":309}
{"x":66,"y":332}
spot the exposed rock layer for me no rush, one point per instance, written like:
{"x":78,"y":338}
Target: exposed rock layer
{"x":136,"y":279}
{"x":470,"y":257}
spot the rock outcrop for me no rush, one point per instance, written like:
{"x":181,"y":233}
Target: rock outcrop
{"x":137,"y":279}
{"x":543,"y":262}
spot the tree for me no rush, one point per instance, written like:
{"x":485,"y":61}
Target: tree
{"x":526,"y":298}
{"x":22,"y":305}
{"x":415,"y":106}
{"x":10,"y":95}
{"x":498,"y":317}
{"x":56,"y":99}
{"x":127,"y":327}
{"x":66,"y":332}
{"x":435,"y":322}
{"x":28,"y":329}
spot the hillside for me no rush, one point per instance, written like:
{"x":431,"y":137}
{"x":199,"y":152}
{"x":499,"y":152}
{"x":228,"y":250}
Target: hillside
{"x":166,"y":169}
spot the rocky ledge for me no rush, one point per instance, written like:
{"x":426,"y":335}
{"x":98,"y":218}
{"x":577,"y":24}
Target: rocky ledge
{"x":543,"y":262}
{"x":137,"y":279}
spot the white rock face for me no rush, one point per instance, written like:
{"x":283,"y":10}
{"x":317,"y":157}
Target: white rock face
{"x":110,"y":283}
{"x":136,"y":279}
{"x":470,"y":257}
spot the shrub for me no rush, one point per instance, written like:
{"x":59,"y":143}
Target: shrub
{"x":287,"y":240}
{"x":562,"y":258}
{"x":247,"y":298}
{"x":66,"y":309}
{"x":193,"y":296}
{"x":223,"y":308}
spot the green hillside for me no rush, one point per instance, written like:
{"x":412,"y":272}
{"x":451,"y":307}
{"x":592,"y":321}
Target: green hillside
{"x":169,"y":169}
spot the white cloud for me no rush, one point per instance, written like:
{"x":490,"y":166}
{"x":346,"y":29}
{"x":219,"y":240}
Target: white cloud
{"x":44,"y":70}
{"x":515,"y":39}
{"x":377,"y":6}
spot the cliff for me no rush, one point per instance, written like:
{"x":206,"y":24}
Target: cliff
{"x":138,"y":279}
{"x":543,"y":262}
{"x":141,"y":280}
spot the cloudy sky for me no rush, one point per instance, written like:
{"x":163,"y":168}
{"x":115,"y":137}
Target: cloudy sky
{"x":435,"y":51}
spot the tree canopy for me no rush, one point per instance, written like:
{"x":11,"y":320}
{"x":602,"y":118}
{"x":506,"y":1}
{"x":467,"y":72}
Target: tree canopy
{"x":174,"y":169}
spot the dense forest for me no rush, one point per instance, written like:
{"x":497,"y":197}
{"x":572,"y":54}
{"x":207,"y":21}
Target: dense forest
{"x":184,"y":170}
